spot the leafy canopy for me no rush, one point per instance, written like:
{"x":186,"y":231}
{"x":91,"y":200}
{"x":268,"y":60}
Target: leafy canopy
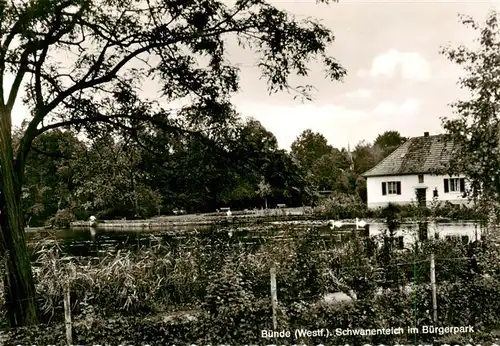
{"x":475,"y":128}
{"x":84,"y":61}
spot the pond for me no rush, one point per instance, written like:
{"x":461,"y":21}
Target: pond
{"x":95,"y":242}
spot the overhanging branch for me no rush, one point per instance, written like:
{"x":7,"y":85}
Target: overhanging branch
{"x":18,"y":80}
{"x":83,"y":84}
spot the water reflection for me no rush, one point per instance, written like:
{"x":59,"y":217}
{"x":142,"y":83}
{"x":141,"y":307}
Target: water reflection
{"x":93,"y":243}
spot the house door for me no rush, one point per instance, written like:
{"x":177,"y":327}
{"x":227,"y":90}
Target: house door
{"x":421,"y":197}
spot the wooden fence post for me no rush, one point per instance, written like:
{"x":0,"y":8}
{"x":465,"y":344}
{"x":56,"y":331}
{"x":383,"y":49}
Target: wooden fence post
{"x":274,"y":296}
{"x":67,"y":314}
{"x":434,"y":290}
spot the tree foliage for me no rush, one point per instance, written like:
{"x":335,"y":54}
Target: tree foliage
{"x":388,"y":142}
{"x":330,"y":169}
{"x":366,"y":156}
{"x":309,"y":147}
{"x":53,"y":175}
{"x":475,"y":128}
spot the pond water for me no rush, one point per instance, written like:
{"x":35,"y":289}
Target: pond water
{"x":92,"y":243}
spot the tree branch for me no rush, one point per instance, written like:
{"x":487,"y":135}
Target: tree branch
{"x":38,"y":76}
{"x":108,"y":119}
{"x":82,"y":85}
{"x":50,"y":38}
{"x":18,"y":80}
{"x":4,"y":48}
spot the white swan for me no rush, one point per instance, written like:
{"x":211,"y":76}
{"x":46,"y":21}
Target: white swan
{"x":360,"y":224}
{"x":334,"y":224}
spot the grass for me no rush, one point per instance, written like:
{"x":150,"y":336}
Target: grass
{"x":128,"y":282}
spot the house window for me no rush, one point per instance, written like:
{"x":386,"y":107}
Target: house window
{"x":420,"y":178}
{"x":454,"y":185}
{"x":391,"y":188}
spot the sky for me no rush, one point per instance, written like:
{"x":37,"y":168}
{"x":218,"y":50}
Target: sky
{"x":397,"y":79}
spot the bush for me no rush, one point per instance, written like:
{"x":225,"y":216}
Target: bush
{"x":341,"y":206}
{"x":456,"y":212}
{"x":62,"y":219}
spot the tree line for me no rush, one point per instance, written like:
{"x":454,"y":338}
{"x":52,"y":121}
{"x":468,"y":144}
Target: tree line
{"x":114,"y":176}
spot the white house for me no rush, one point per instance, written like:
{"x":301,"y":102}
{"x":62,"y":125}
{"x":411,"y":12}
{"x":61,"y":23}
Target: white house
{"x":409,"y":174}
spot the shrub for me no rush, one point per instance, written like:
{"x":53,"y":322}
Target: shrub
{"x":456,"y":211}
{"x":62,"y":219}
{"x":341,"y":206}
{"x":234,"y":312}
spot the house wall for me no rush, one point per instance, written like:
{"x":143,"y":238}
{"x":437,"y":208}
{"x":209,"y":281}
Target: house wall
{"x":408,"y":185}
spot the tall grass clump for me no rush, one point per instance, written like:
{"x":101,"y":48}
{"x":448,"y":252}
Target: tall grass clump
{"x":145,"y":281}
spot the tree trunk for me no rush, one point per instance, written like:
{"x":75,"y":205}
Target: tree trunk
{"x":136,"y":204}
{"x":18,"y":277}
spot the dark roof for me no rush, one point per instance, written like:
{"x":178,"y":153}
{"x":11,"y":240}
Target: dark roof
{"x":418,"y":155}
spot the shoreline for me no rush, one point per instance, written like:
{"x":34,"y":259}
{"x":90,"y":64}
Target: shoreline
{"x":237,"y":220}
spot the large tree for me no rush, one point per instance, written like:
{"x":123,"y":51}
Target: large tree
{"x":324,"y":164}
{"x":83,"y":61}
{"x":475,"y":128}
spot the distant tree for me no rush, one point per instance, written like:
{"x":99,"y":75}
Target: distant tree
{"x":475,"y":128}
{"x":309,"y":147}
{"x":254,"y":137}
{"x":328,"y":174}
{"x":84,"y":62}
{"x":365,"y":157}
{"x":250,"y":152}
{"x":195,"y":175}
{"x":112,"y":183}
{"x":323,"y":163}
{"x":389,"y":141}
{"x":288,"y":179}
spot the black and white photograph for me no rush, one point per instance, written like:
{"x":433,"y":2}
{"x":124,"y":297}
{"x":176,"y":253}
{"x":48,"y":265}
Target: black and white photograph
{"x":249,"y":172}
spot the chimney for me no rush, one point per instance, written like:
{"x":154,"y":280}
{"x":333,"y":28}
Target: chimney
{"x":426,"y":134}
